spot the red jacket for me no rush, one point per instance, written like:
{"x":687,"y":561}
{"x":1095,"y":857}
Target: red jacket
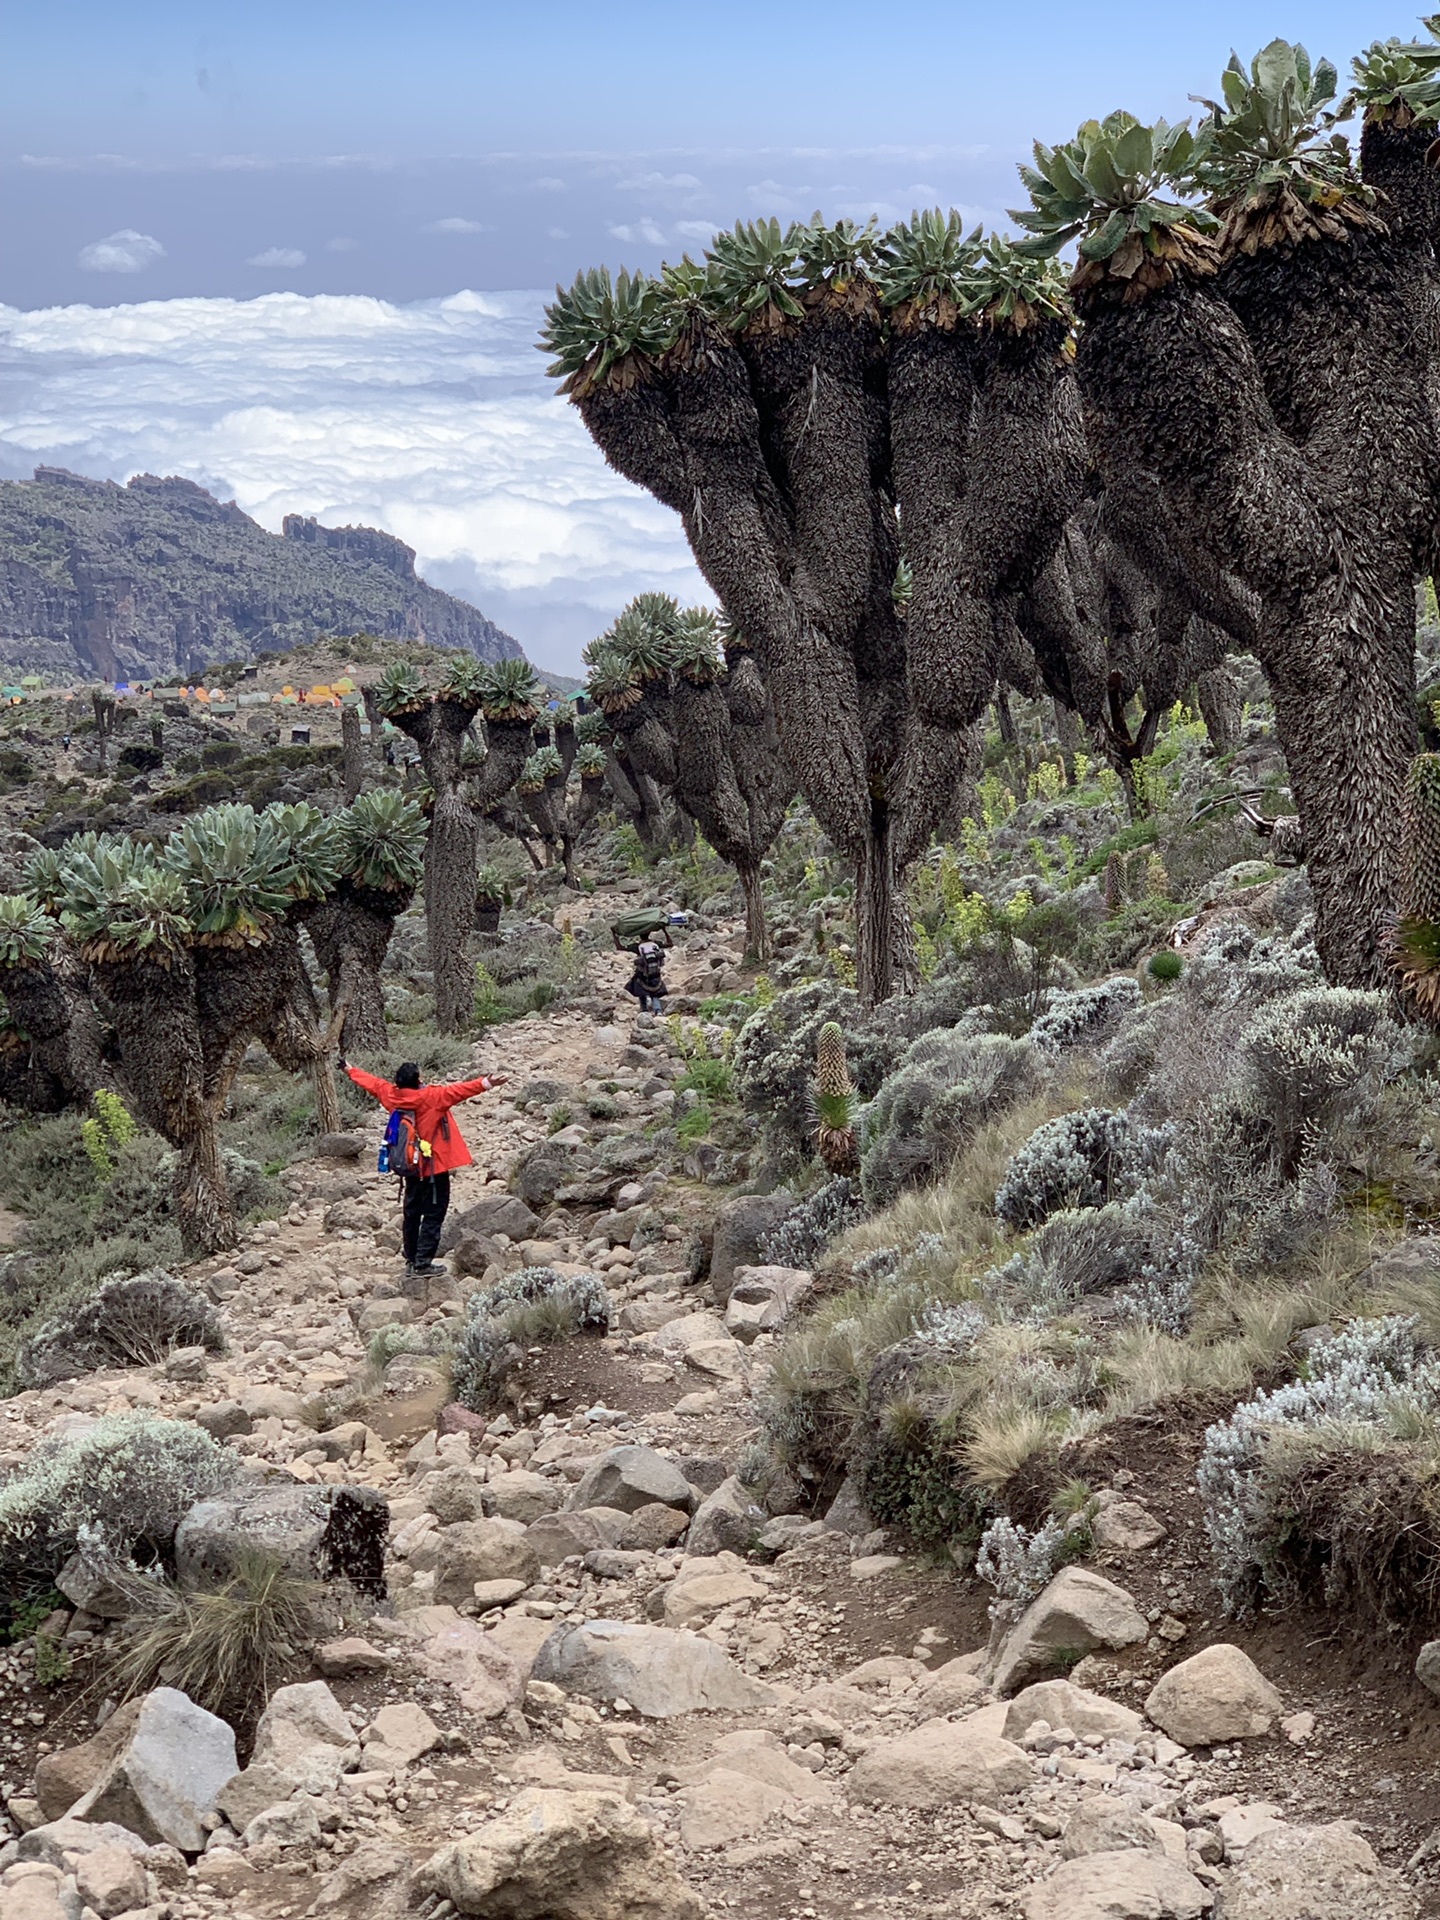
{"x":431,"y":1107}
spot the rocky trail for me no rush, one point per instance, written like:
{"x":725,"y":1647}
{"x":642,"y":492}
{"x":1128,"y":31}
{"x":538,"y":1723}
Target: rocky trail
{"x":603,"y":1684}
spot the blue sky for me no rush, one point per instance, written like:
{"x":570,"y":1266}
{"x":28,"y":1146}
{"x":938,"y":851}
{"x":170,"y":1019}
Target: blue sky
{"x":415,"y":149}
{"x":297,"y":252}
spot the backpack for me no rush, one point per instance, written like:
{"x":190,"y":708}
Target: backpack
{"x":638,"y":924}
{"x":403,"y":1150}
{"x":649,"y":964}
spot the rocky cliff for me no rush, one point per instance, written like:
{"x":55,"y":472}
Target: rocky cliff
{"x":159,"y":577}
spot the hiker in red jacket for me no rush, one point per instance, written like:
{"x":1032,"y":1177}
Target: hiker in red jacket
{"x":431,"y":1150}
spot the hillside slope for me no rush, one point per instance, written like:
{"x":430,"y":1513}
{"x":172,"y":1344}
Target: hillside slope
{"x":159,"y":577}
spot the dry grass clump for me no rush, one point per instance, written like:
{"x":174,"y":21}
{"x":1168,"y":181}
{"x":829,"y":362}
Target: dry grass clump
{"x":227,"y":1646}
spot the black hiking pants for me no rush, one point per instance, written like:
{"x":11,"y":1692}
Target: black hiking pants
{"x":427,"y":1201}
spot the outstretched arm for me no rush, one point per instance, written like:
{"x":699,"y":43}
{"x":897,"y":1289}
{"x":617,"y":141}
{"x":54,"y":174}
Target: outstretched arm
{"x":388,"y":1095}
{"x":452,"y":1092}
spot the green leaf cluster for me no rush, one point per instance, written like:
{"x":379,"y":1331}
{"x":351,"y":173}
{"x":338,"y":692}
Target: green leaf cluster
{"x":508,"y":690}
{"x":1399,"y":73}
{"x":464,"y":680}
{"x":1272,"y":130}
{"x":400,"y":689}
{"x":119,"y":902}
{"x":236,"y":870}
{"x":590,"y":762}
{"x":26,"y":931}
{"x":598,"y":322}
{"x":1006,"y":285}
{"x":1107,"y":184}
{"x":382,"y":842}
{"x":925,"y":259}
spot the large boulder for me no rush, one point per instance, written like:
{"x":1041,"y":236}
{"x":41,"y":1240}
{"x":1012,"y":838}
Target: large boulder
{"x":628,"y":1478}
{"x":937,"y":1764}
{"x":1313,"y":1873}
{"x":521,"y":1495}
{"x":493,"y":1213}
{"x":554,"y":1855}
{"x":660,"y":1671}
{"x":477,"y":1550}
{"x":1126,"y":1885}
{"x":540,"y":1172}
{"x":67,"y":1776}
{"x":163,"y":1781}
{"x":373,"y":1884}
{"x":1062,"y":1705}
{"x":305,"y":1735}
{"x":321,"y":1533}
{"x":1108,"y":1823}
{"x":1217,"y":1694}
{"x":730,"y":1520}
{"x":1077,"y":1613}
{"x":740,"y":1226}
{"x":558,"y":1536}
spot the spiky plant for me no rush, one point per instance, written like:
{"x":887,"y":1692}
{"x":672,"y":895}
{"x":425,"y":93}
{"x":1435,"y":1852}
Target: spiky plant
{"x":613,"y":684}
{"x":121,"y":904}
{"x":697,"y":654}
{"x":753,"y":272}
{"x":592,"y":729}
{"x":590,"y":761}
{"x":902,"y":588}
{"x":1109,"y":188}
{"x":644,"y":636}
{"x":834,"y":255}
{"x":537,"y":770}
{"x":1114,"y":883}
{"x":509,"y":691}
{"x":382,"y":842}
{"x":489,"y":885}
{"x":237,"y":874}
{"x":1006,"y":288}
{"x":1268,"y":159}
{"x":835,"y":1102}
{"x":688,"y":300}
{"x":400,"y":689}
{"x":26,"y":931}
{"x":601,"y":331}
{"x":921,"y":266}
{"x":464,"y":681}
{"x":45,"y":870}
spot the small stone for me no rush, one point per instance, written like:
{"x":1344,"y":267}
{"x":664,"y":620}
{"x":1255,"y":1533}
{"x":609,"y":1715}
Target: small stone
{"x":342,"y":1659}
{"x":1298,"y":1728}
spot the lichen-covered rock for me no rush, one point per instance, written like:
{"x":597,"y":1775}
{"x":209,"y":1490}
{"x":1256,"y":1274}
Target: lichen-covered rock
{"x":1313,"y":1873}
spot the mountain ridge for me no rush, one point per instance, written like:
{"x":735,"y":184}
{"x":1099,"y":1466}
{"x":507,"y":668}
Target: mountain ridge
{"x":158,"y":577}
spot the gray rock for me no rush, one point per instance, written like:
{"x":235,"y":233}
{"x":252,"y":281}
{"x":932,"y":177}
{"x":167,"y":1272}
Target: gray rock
{"x":373,"y":1884}
{"x":726,"y":1521}
{"x":341,"y":1146}
{"x":111,"y":1881}
{"x":305,"y":1737}
{"x":1314,"y":1873}
{"x":495,"y":1213}
{"x":1217,"y":1694}
{"x":654,"y":1527}
{"x":163,"y":1782}
{"x":477,"y":1550}
{"x":630,"y":1478}
{"x":847,"y":1513}
{"x":454,"y":1494}
{"x":788,"y":1530}
{"x":324,"y":1533}
{"x":1107,"y":1823}
{"x":540,"y":1171}
{"x":1117,"y":1886}
{"x":704,"y":1471}
{"x":1062,"y":1705}
{"x":261,"y":1785}
{"x":1427,"y":1666}
{"x":660,"y":1671}
{"x":559,"y":1535}
{"x":293,"y":1823}
{"x":937,"y":1763}
{"x":762,"y":1299}
{"x":59,"y":1843}
{"x":615,"y":1563}
{"x":63,"y":1778}
{"x":91,"y":1584}
{"x":1077,"y":1613}
{"x":521,"y":1495}
{"x":740,"y":1225}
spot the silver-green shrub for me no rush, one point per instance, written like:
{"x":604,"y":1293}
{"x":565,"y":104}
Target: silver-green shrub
{"x":1086,"y":1015}
{"x":1072,"y":1161}
{"x":120,"y":1488}
{"x":774,"y":1062}
{"x":1077,"y":1251}
{"x":134,"y":1321}
{"x":1316,"y":1064}
{"x":1364,"y":1386}
{"x":947,"y":1086}
{"x":802,"y":1234}
{"x":534,"y":1305}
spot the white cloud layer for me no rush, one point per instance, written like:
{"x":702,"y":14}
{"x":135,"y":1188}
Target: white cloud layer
{"x":124,"y":252}
{"x":277,"y":257}
{"x":434,"y":421}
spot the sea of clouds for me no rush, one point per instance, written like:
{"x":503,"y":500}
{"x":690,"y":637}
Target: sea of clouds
{"x":434,"y":421}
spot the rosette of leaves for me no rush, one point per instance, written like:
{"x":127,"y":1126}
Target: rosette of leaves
{"x":26,"y":931}
{"x":902,"y":588}
{"x":489,"y":886}
{"x":601,"y":331}
{"x":238,"y":876}
{"x":644,"y":636}
{"x":590,"y":761}
{"x":753,"y":272}
{"x":731,"y":639}
{"x":400,"y":689}
{"x":1108,"y":188}
{"x":539,"y":768}
{"x":464,"y":681}
{"x":697,"y":654}
{"x":613,"y":684}
{"x":313,"y":840}
{"x":1399,"y":79}
{"x":1268,"y":159}
{"x":921,"y":267}
{"x":1010,"y":290}
{"x":688,"y":301}
{"x":45,"y":870}
{"x":509,"y":691}
{"x":592,"y":729}
{"x":121,"y":904}
{"x":833,"y":263}
{"x":382,"y":842}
